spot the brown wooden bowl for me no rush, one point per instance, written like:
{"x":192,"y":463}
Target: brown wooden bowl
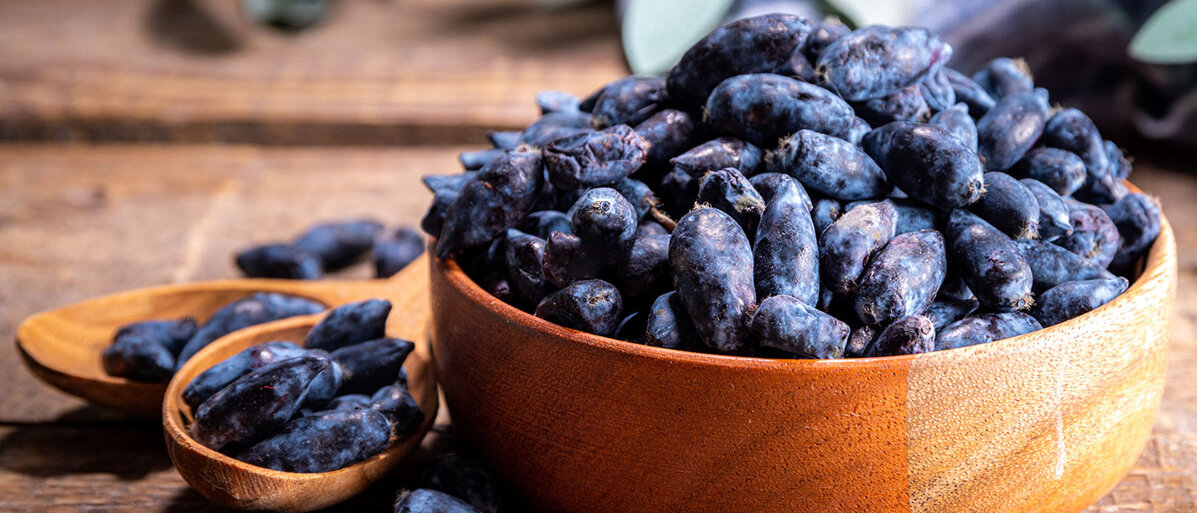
{"x":232,"y":483}
{"x":1045,"y":422}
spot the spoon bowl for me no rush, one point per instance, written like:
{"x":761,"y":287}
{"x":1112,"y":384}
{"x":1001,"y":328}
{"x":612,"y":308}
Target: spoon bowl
{"x":229,"y":482}
{"x":62,"y":346}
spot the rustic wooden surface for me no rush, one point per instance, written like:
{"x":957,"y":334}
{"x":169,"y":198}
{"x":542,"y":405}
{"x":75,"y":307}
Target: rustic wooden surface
{"x":376,"y":72}
{"x":389,"y":90}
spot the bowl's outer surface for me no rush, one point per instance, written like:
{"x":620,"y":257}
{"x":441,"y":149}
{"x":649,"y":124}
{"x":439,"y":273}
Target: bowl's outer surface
{"x":229,"y":482}
{"x":1046,"y":422}
{"x":62,"y":346}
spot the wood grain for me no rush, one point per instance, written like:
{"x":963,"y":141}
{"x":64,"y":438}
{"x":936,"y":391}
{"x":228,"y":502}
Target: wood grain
{"x":144,"y":215}
{"x":377,"y":72}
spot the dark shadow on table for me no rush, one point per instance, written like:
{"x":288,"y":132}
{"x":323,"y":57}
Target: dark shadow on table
{"x":187,"y":26}
{"x":128,"y":449}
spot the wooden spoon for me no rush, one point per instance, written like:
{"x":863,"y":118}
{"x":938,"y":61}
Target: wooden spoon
{"x":230,"y":482}
{"x":62,"y":346}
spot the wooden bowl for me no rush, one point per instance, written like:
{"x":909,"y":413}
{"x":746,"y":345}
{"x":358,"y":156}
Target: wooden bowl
{"x":232,"y":483}
{"x":1045,"y":422}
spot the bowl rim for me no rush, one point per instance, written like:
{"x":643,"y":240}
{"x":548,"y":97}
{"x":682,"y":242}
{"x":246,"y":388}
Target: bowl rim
{"x":1159,"y":258}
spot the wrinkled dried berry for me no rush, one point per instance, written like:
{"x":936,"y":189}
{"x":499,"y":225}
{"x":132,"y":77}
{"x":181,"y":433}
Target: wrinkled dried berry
{"x":463,"y":476}
{"x":393,"y":252}
{"x":339,"y":244}
{"x":927,"y":162}
{"x":1072,"y":299}
{"x":594,"y":159}
{"x":368,"y":366}
{"x":593,"y":306}
{"x":1004,"y":76}
{"x":829,"y":166}
{"x":875,"y":61}
{"x":906,"y":104}
{"x":785,"y":249}
{"x":985,"y":328}
{"x":1008,"y":206}
{"x":279,"y":261}
{"x":257,"y":404}
{"x":762,"y":108}
{"x":1061,"y":170}
{"x":909,"y":335}
{"x":846,"y":246}
{"x":1138,"y":220}
{"x":788,"y":324}
{"x":220,"y":375}
{"x":430,"y":501}
{"x":1053,"y":211}
{"x":400,"y":409}
{"x":349,"y":324}
{"x":947,"y":311}
{"x":668,"y":325}
{"x":728,"y":190}
{"x":496,"y":199}
{"x":761,"y":44}
{"x":1010,"y":128}
{"x":629,"y":101}
{"x":989,"y":262}
{"x":1094,"y":236}
{"x":668,"y":133}
{"x":322,"y":442}
{"x":902,"y":279}
{"x":956,"y":121}
{"x":712,"y":270}
{"x":255,"y":309}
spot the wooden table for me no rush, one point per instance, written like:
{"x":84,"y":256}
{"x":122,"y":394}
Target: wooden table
{"x":92,"y":201}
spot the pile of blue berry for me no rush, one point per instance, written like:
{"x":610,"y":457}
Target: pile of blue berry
{"x":337,"y":401}
{"x":837,"y":193}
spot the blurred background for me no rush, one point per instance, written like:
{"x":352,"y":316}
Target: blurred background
{"x":143,"y":142}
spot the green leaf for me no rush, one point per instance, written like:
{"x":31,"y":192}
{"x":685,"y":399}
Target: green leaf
{"x":657,"y":33}
{"x":1169,"y":36}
